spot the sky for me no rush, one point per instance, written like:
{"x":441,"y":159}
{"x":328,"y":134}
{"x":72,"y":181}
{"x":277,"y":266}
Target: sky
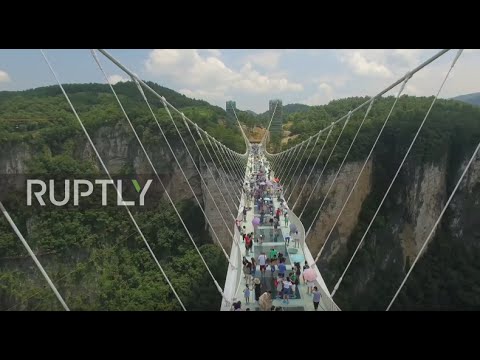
{"x":252,"y":77}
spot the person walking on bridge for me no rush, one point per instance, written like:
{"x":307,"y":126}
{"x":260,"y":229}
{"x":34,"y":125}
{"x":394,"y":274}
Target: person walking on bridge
{"x":254,"y":267}
{"x":282,"y":268}
{"x":262,"y":260}
{"x":247,"y":272}
{"x":296,"y":239}
{"x":273,"y":254}
{"x":247,"y":294}
{"x":238,"y":223}
{"x":257,"y":289}
{"x":316,"y":298}
{"x":287,"y":284}
{"x":265,"y":301}
{"x":248,"y":244}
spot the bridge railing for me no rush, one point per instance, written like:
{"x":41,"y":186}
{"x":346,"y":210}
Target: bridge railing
{"x":319,"y":282}
{"x":234,"y":276}
{"x":233,"y":279}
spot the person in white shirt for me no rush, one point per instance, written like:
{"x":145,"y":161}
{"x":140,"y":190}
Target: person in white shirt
{"x":262,"y":260}
{"x":296,"y":238}
{"x":287,"y":284}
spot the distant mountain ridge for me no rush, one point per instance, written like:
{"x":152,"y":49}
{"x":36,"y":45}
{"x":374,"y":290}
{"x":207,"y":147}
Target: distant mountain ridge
{"x":293,"y":108}
{"x":290,"y":109}
{"x":473,"y":98}
{"x":127,"y":88}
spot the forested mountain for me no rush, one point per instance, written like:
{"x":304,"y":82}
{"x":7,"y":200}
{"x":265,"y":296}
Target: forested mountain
{"x":248,"y":118}
{"x":99,"y":262}
{"x":30,"y":114}
{"x":473,"y":99}
{"x":445,"y":275}
{"x":95,"y":256}
{"x":287,"y":110}
{"x":294,"y":108}
{"x":122,"y":88}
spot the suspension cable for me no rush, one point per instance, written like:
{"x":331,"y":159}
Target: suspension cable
{"x":111,"y":179}
{"x":236,"y":166}
{"x":304,"y":166}
{"x":398,"y":170}
{"x":33,"y":256}
{"x":220,"y":163}
{"x":134,"y":76}
{"x":239,"y":162}
{"x":282,"y":171}
{"x":233,"y":166}
{"x":289,"y":165}
{"x":363,"y":167}
{"x":313,"y":167}
{"x":158,"y":177}
{"x":298,"y":165}
{"x":241,"y":129}
{"x":191,"y":157}
{"x":264,"y":137}
{"x":211,"y":172}
{"x":224,"y":164}
{"x":387,"y":89}
{"x":199,"y":173}
{"x":323,"y":170}
{"x":181,"y":170}
{"x":340,"y":167}
{"x":434,"y":226}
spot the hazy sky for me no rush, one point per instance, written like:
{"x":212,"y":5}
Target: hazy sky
{"x":252,"y":77}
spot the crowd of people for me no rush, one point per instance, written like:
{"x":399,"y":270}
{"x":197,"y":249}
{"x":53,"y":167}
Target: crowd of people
{"x":260,"y":191}
{"x":265,"y":301}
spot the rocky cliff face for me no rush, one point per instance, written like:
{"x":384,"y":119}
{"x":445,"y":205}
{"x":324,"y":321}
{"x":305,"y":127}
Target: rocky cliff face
{"x":464,"y":224}
{"x":407,"y":217}
{"x":333,"y":204}
{"x":424,"y":202}
{"x":121,"y":153}
{"x":412,"y":209}
{"x":13,"y":159}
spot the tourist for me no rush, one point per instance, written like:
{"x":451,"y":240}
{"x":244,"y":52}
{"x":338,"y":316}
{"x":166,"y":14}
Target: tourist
{"x":278,"y":282}
{"x":253,"y":268}
{"x":247,"y":244}
{"x":305,"y":267}
{"x":282,"y":268}
{"x":296,"y":239}
{"x":287,"y":284}
{"x":257,"y":289}
{"x":265,"y":301}
{"x":310,"y":285}
{"x":316,"y":297}
{"x":247,"y":272}
{"x":273,"y":254}
{"x":262,"y":260}
{"x":247,"y":294}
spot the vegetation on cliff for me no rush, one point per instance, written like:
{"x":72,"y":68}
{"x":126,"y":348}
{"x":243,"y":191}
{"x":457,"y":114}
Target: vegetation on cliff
{"x":95,"y":256}
{"x":445,"y":274}
{"x":100,"y":263}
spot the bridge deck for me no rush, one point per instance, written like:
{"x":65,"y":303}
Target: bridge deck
{"x":300,"y":300}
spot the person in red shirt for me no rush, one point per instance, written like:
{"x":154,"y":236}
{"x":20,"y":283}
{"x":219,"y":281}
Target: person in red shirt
{"x":247,"y":244}
{"x":278,"y":213}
